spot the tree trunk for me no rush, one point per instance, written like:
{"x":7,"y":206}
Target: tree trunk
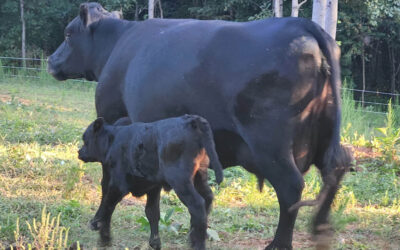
{"x":151,"y":9}
{"x":392,"y":59}
{"x":363,"y":72}
{"x":23,"y":49}
{"x":331,"y":17}
{"x":296,"y":7}
{"x":160,"y":8}
{"x":318,"y":12}
{"x":136,"y":11}
{"x":278,"y":8}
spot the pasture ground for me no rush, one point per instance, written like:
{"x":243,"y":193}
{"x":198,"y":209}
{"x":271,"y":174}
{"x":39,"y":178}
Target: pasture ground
{"x":41,"y":123}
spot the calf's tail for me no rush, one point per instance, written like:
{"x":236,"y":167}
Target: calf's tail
{"x":207,"y":140}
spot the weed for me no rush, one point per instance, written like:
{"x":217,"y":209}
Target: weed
{"x":44,"y":234}
{"x":74,"y":175}
{"x":389,"y":143}
{"x":166,"y":221}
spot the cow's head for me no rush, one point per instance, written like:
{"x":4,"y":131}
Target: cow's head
{"x":96,"y":142}
{"x":73,"y":57}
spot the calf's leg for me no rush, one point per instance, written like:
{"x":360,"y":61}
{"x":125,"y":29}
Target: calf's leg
{"x":186,"y":192}
{"x":105,"y":211}
{"x":152,"y":211}
{"x":104,"y":188}
{"x":201,"y":185}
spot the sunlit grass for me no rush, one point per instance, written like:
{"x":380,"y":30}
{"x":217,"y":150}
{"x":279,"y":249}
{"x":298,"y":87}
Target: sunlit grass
{"x":41,"y":124}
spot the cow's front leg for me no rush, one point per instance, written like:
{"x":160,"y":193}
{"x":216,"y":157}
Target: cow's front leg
{"x":153,"y":215}
{"x":105,"y":211}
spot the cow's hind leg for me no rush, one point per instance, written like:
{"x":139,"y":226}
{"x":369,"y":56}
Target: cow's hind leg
{"x":274,"y":162}
{"x":288,"y":184}
{"x":333,"y":167}
{"x":187,"y":193}
{"x":152,"y":211}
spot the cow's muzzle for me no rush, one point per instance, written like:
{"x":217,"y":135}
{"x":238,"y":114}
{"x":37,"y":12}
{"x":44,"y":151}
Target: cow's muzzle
{"x":55,"y":71}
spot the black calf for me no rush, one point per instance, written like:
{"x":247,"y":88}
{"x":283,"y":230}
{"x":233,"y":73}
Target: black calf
{"x":142,"y":158}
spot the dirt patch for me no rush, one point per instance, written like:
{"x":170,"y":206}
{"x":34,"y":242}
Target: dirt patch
{"x":8,"y":98}
{"x":130,"y":200}
{"x":363,"y":153}
{"x":300,"y":241}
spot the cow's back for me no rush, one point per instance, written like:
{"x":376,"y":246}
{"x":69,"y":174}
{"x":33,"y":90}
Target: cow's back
{"x":211,"y":67}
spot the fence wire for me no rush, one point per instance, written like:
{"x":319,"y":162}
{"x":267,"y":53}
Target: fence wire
{"x":18,"y":69}
{"x":372,"y":92}
{"x":21,"y":59}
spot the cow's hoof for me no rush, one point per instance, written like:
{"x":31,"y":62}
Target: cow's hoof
{"x":94,"y":224}
{"x":323,"y":235}
{"x":155,"y":243}
{"x":275,"y":246}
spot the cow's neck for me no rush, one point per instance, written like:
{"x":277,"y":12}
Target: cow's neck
{"x":105,"y":38}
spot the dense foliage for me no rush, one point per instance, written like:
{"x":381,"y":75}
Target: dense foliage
{"x":372,"y":26}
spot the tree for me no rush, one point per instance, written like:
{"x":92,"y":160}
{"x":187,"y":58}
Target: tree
{"x":160,"y":9}
{"x":296,"y":7}
{"x":331,"y":17}
{"x":152,"y":4}
{"x":151,"y":9}
{"x":319,"y":12}
{"x":278,"y":8}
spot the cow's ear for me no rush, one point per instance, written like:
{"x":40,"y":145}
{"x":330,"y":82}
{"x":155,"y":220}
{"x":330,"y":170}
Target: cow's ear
{"x":84,"y":13}
{"x":117,"y":14}
{"x":98,"y":124}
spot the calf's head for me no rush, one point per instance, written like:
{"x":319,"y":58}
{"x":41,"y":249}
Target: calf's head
{"x":96,"y":142}
{"x":74,"y":57}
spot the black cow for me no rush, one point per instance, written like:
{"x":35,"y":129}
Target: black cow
{"x":270,"y":90}
{"x":142,"y":158}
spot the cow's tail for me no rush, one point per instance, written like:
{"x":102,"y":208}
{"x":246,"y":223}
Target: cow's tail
{"x":207,"y":140}
{"x":336,"y":159}
{"x":336,"y":155}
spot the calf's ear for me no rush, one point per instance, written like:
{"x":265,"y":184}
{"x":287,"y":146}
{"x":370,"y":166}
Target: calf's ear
{"x":98,"y":124}
{"x":84,"y":13}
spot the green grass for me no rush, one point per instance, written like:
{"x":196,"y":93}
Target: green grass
{"x":41,"y":123}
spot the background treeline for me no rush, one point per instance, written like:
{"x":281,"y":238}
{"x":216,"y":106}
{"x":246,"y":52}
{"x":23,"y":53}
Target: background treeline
{"x":368,"y":30}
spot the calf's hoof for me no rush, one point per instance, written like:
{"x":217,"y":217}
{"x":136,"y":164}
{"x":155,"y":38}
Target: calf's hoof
{"x":104,"y":242}
{"x":199,"y":246}
{"x":197,"y":243}
{"x":94,"y":224}
{"x":155,"y":243}
{"x":105,"y":239}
